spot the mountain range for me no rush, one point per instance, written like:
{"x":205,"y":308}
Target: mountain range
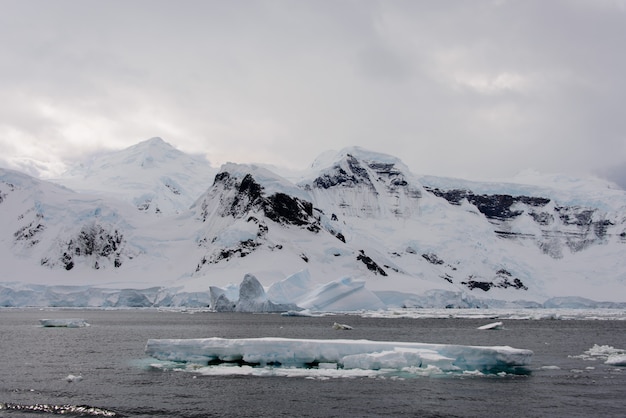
{"x":152,"y":226}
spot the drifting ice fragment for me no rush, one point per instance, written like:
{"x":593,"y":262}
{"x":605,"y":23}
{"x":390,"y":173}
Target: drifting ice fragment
{"x":362,"y":354}
{"x":66,"y":323}
{"x":616,"y":360}
{"x":494,"y":325}
{"x":341,"y":326}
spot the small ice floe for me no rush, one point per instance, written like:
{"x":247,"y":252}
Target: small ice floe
{"x":550,"y":368}
{"x":493,"y":325}
{"x":64,"y":322}
{"x":341,"y":326}
{"x":616,"y":360}
{"x":304,"y":312}
{"x":73,"y":378}
{"x":611,"y":355}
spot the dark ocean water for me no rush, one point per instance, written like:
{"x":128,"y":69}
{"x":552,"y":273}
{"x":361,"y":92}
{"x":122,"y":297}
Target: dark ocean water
{"x":109,"y":355}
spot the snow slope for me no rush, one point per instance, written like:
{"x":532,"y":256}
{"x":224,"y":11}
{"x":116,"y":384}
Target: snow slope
{"x":152,"y":175}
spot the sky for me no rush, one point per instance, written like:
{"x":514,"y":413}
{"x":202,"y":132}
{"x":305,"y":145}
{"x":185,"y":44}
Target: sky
{"x":477,"y":89}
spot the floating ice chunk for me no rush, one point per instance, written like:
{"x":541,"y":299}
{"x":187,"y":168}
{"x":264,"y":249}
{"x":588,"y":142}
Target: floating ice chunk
{"x":341,"y":326}
{"x":345,"y":353}
{"x":611,"y":355}
{"x":616,"y":360}
{"x":66,"y":323}
{"x":550,"y":368}
{"x":73,"y":378}
{"x":493,"y":325}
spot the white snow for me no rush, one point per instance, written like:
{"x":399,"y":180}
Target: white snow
{"x":345,"y":354}
{"x":152,"y":175}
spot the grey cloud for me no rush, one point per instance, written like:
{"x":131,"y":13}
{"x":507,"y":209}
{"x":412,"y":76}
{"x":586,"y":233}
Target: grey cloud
{"x":454,"y":88}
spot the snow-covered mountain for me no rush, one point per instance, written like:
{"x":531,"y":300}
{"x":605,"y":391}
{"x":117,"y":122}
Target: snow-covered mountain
{"x":153,"y":176}
{"x":358,"y":231}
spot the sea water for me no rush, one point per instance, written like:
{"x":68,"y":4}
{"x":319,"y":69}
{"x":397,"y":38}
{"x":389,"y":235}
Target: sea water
{"x":102,"y":369}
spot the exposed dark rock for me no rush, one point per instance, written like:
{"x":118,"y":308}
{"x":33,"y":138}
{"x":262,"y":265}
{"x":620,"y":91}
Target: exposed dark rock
{"x":542,"y":218}
{"x":283,"y":208}
{"x":574,"y":215}
{"x":504,"y":280}
{"x":432,"y":258}
{"x":496,"y":206}
{"x":600,"y":227}
{"x":172,"y":188}
{"x":357,"y":175}
{"x":279,"y":207}
{"x":28,"y":232}
{"x":447,"y":278}
{"x":371,"y":264}
{"x":476,"y":284}
{"x":92,"y":241}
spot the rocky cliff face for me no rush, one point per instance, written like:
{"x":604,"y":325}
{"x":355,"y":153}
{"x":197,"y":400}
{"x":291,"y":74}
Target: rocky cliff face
{"x":552,"y":226}
{"x":241,"y":207}
{"x":368,"y":185}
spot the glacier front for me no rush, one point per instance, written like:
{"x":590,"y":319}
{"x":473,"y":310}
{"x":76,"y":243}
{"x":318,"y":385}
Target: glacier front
{"x":341,"y":354}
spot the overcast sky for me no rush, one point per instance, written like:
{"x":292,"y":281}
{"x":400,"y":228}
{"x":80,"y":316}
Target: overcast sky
{"x":474,"y":89}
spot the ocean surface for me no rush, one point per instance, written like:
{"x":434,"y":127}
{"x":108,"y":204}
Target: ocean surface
{"x":102,"y":370}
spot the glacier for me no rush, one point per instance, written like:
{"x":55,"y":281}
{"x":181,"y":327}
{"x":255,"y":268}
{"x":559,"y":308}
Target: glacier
{"x":342,"y":354}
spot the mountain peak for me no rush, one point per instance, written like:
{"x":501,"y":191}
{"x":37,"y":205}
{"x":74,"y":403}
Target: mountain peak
{"x":153,"y":143}
{"x":331,"y":158}
{"x":152,"y":175}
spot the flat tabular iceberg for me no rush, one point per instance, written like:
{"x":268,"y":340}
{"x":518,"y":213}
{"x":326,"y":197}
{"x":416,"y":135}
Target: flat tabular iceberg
{"x":343,"y":354}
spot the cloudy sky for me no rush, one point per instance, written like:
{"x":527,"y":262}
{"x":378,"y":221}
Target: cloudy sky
{"x":474,"y":89}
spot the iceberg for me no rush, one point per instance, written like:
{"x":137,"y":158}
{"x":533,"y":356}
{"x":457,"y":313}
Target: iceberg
{"x":252,"y":298}
{"x":493,"y":325}
{"x":345,"y":354}
{"x":66,"y":323}
{"x":341,"y":295}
